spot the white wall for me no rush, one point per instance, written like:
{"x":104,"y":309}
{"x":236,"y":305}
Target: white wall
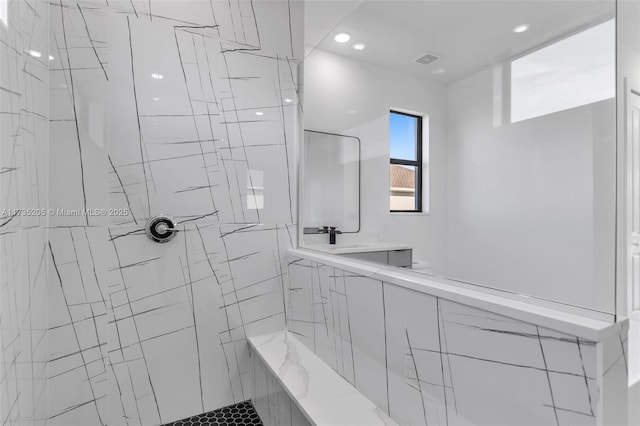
{"x":531,"y":204}
{"x":353,"y":98}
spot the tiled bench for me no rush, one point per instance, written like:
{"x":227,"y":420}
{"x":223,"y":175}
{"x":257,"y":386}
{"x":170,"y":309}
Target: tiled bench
{"x":320,"y":394}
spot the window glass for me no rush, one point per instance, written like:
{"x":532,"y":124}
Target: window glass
{"x":403,"y":187}
{"x":574,"y":71}
{"x":402,"y":134}
{"x":405,"y":158}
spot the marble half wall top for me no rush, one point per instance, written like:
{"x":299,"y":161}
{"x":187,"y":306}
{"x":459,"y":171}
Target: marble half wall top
{"x":522,"y":308}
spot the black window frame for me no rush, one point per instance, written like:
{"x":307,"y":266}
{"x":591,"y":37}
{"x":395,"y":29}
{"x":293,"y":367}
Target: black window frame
{"x":417,"y":163}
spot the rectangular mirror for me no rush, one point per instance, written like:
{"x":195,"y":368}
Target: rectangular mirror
{"x":331,"y":194}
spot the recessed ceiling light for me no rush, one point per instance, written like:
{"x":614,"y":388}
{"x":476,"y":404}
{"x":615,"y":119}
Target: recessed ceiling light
{"x":156,"y":99}
{"x":34,"y":53}
{"x":288,"y":100}
{"x":438,"y":71}
{"x":259,"y":113}
{"x":342,"y":37}
{"x":359,"y":46}
{"x":51,"y":58}
{"x":157,"y":76}
{"x":352,"y":111}
{"x":521,"y":28}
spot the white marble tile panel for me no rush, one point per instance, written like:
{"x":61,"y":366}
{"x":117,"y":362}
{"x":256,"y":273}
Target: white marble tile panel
{"x":212,"y":95}
{"x":485,"y":335}
{"x":273,"y":404}
{"x":446,"y":363}
{"x":328,"y":328}
{"x":486,"y":393}
{"x":574,"y":394}
{"x":299,"y":309}
{"x":613,"y":387}
{"x":365,"y":322}
{"x":61,"y":404}
{"x":562,"y":352}
{"x":138,"y":392}
{"x":24,"y":117}
{"x":175,"y":393}
{"x":418,"y":374}
{"x":400,"y":396}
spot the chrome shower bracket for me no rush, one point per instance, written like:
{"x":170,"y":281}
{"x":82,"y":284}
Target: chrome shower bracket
{"x":161,"y":228}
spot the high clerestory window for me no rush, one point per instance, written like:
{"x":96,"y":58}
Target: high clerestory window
{"x":405,"y":158}
{"x":573,"y":71}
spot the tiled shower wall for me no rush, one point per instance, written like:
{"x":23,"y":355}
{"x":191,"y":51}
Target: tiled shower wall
{"x":130,"y":331}
{"x":23,"y":185}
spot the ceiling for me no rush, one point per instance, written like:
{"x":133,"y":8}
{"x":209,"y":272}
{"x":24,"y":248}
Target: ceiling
{"x":469,"y":35}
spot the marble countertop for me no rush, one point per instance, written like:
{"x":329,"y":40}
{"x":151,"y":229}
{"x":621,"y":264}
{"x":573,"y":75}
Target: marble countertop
{"x":523,"y":308}
{"x":323,"y":396}
{"x":347,"y":248}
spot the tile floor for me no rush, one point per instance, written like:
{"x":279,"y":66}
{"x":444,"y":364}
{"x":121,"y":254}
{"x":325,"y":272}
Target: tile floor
{"x":239,"y":414}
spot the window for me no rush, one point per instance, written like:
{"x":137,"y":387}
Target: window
{"x":405,"y":158}
{"x":577,"y":70}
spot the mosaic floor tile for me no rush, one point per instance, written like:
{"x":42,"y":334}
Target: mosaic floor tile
{"x":239,"y":414}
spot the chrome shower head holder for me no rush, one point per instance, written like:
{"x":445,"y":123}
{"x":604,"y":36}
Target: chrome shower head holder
{"x":161,"y":228}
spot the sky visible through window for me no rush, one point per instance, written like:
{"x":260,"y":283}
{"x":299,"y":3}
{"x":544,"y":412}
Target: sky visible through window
{"x":402,"y":136}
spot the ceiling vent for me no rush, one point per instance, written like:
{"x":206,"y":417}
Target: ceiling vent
{"x":428,"y":58}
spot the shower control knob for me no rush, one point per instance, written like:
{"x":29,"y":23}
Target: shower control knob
{"x":161,"y":228}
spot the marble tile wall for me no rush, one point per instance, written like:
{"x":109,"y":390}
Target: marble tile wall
{"x":208,"y":140}
{"x":110,"y":327}
{"x":23,"y":192}
{"x":426,"y":360}
{"x":23,"y":330}
{"x":24,"y":114}
{"x":145,"y":333}
{"x":274,"y":406}
{"x":155,"y":112}
{"x":613,"y":369}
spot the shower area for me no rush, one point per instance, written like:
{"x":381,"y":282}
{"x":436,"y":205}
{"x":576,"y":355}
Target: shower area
{"x":113,"y":112}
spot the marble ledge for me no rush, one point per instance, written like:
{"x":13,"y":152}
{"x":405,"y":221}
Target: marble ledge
{"x":323,"y":396}
{"x":520,"y":308}
{"x":348,"y":248}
